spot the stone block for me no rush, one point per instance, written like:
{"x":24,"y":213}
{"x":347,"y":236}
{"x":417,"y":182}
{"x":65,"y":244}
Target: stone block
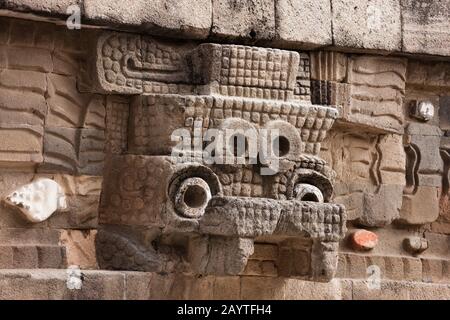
{"x":328,"y":66}
{"x":393,"y":161}
{"x":429,"y":75}
{"x":444,"y":113}
{"x":41,"y":6}
{"x":20,"y":59}
{"x":265,"y":251}
{"x":252,"y":19}
{"x":51,"y":257}
{"x":138,"y":285}
{"x":305,"y":290}
{"x":293,"y":262}
{"x":303,"y":23}
{"x":424,"y":162}
{"x":173,"y":17}
{"x":356,"y":266}
{"x":381,"y":207}
{"x":376,"y":93}
{"x":25,"y":257}
{"x":432,"y":270}
{"x":227,"y":288}
{"x":21,"y":144}
{"x":22,"y":107}
{"x":367,"y":24}
{"x":257,"y":288}
{"x":412,"y":269}
{"x":68,"y":150}
{"x":80,"y":248}
{"x":420,"y":207}
{"x":6,"y":257}
{"x":97,"y":285}
{"x":362,"y":290}
{"x":425,"y":26}
{"x":5,"y":25}
{"x":24,"y":80}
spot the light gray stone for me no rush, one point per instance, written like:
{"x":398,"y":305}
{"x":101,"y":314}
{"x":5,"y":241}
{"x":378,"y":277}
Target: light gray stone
{"x":367,"y":24}
{"x":55,"y":7}
{"x":174,"y":17}
{"x":426,"y":26}
{"x":303,"y":22}
{"x":251,"y":19}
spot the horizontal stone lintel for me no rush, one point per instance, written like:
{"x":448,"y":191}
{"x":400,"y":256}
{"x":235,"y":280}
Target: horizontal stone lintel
{"x":377,"y":26}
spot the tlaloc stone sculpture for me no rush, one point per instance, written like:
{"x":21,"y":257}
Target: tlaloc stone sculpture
{"x":163,"y":208}
{"x":225,"y":149}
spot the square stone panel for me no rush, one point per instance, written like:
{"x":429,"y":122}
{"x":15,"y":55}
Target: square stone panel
{"x":426,"y":26}
{"x":304,"y":22}
{"x":367,"y":24}
{"x":251,"y":19}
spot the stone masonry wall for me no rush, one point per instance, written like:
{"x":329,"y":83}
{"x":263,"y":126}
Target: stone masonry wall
{"x":74,"y":110}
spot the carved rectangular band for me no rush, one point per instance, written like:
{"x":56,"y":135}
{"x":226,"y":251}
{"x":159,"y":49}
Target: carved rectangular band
{"x":148,"y":136}
{"x":228,"y":69}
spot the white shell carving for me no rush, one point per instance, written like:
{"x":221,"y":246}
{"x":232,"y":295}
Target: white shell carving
{"x":38,"y":200}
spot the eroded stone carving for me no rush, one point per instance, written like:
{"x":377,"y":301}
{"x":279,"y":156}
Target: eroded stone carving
{"x":156,"y":208}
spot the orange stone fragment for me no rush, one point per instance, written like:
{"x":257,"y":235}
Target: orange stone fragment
{"x":364,"y":240}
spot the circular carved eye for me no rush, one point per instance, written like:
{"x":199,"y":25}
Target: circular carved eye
{"x":281,"y":146}
{"x":308,"y":192}
{"x":192,"y":197}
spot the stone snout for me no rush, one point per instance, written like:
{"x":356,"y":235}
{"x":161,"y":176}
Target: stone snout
{"x":197,"y":224}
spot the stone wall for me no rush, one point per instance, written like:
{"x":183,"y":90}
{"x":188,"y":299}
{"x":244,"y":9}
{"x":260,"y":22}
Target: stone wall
{"x":362,"y":99}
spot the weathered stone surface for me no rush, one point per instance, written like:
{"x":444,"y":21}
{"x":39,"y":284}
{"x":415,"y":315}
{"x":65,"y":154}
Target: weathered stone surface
{"x":68,"y":150}
{"x":425,"y":26}
{"x":21,"y":143}
{"x":415,"y":245}
{"x":253,"y":19}
{"x":424,"y":163}
{"x":367,"y":24}
{"x":40,"y":6}
{"x":421,"y":207}
{"x":172,"y":17}
{"x":303,"y":23}
{"x":431,"y":75}
{"x":328,"y":66}
{"x":376,"y":93}
{"x":80,"y":248}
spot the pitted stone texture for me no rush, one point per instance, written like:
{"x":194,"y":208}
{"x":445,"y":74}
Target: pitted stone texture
{"x":415,"y":245}
{"x":425,"y":26}
{"x":21,"y":143}
{"x":246,"y":71}
{"x":252,"y":19}
{"x":303,"y":22}
{"x":367,"y":24}
{"x":424,"y":162}
{"x":68,"y":150}
{"x":370,"y":177}
{"x":132,"y":64}
{"x":173,"y":17}
{"x":421,"y":207}
{"x":303,"y":119}
{"x":52,"y":7}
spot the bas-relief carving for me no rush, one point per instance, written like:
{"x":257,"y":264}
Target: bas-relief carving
{"x":159,"y":216}
{"x":154,"y":210}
